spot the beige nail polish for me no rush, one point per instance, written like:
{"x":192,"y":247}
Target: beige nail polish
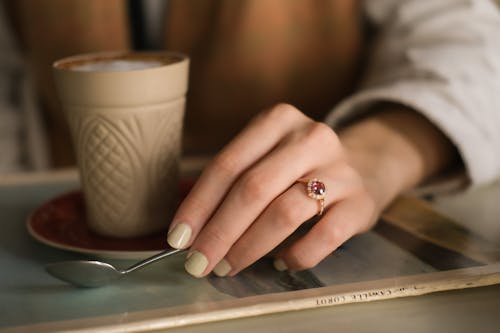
{"x":222,"y":268}
{"x":280,"y":265}
{"x":179,"y":236}
{"x":196,"y":264}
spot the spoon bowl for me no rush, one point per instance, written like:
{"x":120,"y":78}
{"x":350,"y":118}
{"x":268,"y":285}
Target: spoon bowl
{"x":91,"y":273}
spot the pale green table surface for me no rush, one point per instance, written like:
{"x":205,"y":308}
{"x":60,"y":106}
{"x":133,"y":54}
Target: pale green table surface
{"x":472,"y":310}
{"x":28,"y":295}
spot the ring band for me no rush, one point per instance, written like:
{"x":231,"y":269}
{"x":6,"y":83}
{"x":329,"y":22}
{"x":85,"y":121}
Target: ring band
{"x":316,"y":189}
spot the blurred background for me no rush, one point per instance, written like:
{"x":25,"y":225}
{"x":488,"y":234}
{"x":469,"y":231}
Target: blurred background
{"x":245,"y":56}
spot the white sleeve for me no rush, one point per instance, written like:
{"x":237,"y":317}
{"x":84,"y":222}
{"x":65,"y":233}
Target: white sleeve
{"x":442,"y":59}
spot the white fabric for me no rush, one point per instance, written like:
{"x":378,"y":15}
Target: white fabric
{"x":441,"y":58}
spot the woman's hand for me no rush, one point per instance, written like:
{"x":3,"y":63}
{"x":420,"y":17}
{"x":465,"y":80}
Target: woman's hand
{"x":248,"y":199}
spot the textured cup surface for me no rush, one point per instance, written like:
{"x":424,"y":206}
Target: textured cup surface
{"x":126,"y":124}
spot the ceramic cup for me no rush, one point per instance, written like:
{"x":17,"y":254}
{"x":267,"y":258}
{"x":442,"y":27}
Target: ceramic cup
{"x":125,"y":112}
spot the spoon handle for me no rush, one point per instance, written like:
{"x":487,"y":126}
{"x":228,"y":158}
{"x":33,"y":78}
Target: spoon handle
{"x":152,"y":259}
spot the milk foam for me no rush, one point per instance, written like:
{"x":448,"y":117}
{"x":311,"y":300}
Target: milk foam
{"x":116,"y":65}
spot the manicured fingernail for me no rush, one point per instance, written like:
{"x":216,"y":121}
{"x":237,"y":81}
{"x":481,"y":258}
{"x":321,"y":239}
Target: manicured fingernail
{"x":179,"y":236}
{"x":196,"y":264}
{"x":222,"y":268}
{"x":280,"y":265}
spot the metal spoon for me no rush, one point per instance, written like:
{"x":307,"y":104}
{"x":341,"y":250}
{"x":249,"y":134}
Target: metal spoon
{"x":91,"y":274}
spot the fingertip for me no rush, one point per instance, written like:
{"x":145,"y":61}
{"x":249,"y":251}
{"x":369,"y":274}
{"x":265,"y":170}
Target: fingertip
{"x":223,"y":268}
{"x":196,"y":264}
{"x":280,"y":265}
{"x":179,"y":236}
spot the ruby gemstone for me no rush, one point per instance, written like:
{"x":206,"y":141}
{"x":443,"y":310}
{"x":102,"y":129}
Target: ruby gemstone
{"x":318,"y":188}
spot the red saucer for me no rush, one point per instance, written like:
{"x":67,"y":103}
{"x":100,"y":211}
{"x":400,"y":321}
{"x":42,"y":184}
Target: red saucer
{"x":61,"y":223}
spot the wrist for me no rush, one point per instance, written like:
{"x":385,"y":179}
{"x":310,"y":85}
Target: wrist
{"x":394,"y":150}
{"x":383,"y":175}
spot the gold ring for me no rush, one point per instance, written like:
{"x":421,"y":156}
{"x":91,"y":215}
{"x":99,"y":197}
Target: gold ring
{"x":316,"y":189}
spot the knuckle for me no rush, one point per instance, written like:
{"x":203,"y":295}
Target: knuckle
{"x":351,"y":176}
{"x":286,"y":216}
{"x":216,"y":237}
{"x":282,"y":111}
{"x":193,"y":203}
{"x":252,"y":187}
{"x":224,"y":163}
{"x":323,"y":134}
{"x":333,"y":237}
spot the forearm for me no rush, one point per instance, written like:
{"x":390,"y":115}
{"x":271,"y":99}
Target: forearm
{"x":395,"y":149}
